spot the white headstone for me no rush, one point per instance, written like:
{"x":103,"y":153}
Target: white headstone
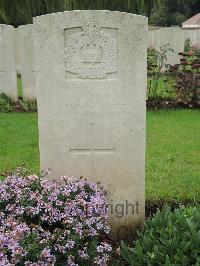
{"x":8,"y":75}
{"x":26,"y":53}
{"x":150,"y":38}
{"x":197,"y":35}
{"x":91,"y":83}
{"x":190,"y":34}
{"x":174,"y":37}
{"x":156,"y":39}
{"x":16,"y":49}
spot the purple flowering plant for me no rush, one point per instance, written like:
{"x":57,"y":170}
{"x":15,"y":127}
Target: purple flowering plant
{"x":46,"y":222}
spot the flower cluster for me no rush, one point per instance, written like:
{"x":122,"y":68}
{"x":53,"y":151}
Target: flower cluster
{"x":47,"y":223}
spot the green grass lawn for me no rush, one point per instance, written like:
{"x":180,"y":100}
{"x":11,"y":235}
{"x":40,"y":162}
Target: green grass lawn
{"x":18,"y":141}
{"x":19,"y":87}
{"x":173,"y":154}
{"x":173,"y":150}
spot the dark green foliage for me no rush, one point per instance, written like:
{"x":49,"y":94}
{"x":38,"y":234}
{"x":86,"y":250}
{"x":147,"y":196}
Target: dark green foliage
{"x":175,"y":85}
{"x":169,"y":238}
{"x":187,"y":45}
{"x":28,"y":106}
{"x":174,"y":12}
{"x":30,"y":243}
{"x":161,"y":12}
{"x":186,"y":76}
{"x":22,"y":11}
{"x":5,"y":103}
{"x":157,"y":88}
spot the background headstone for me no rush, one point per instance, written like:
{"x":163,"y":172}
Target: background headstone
{"x":27,"y":64}
{"x":198,"y":36}
{"x":174,"y":37}
{"x":91,"y":84}
{"x":16,"y":49}
{"x":150,"y":38}
{"x":156,"y":39}
{"x":8,"y":75}
{"x":190,"y":34}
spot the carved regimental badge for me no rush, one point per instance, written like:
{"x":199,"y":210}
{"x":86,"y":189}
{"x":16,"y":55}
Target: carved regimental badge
{"x":90,"y":52}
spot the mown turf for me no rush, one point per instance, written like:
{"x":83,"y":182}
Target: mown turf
{"x":173,"y":154}
{"x":173,"y":151}
{"x":18,"y":141}
{"x":19,"y":87}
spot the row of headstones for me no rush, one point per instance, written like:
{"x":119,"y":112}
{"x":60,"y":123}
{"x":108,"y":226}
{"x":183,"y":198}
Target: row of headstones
{"x":17,"y":54}
{"x":175,"y":37}
{"x":16,"y":57}
{"x":91,"y":76}
{"x":91,"y":84}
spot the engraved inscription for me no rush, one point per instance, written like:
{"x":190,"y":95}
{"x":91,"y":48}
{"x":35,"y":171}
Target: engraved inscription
{"x":92,"y":151}
{"x":90,"y":52}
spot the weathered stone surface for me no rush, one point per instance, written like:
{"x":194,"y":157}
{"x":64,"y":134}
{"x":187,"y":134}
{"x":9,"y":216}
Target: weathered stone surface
{"x":174,"y":37}
{"x":27,"y":64}
{"x":16,"y":49}
{"x":155,"y":39}
{"x":190,"y":34}
{"x":198,"y":36}
{"x":91,"y":84}
{"x":150,"y":38}
{"x":193,"y":35}
{"x":8,"y":76}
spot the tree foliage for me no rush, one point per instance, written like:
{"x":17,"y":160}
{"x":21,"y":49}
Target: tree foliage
{"x":22,"y":11}
{"x":174,"y":12}
{"x":17,"y":12}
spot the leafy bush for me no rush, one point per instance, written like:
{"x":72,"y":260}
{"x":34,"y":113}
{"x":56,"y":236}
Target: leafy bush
{"x":156,"y":60}
{"x":52,"y":223}
{"x":187,"y":45}
{"x":169,"y":238}
{"x":192,"y":48}
{"x":187,"y":78}
{"x":5,"y":103}
{"x":28,"y":105}
{"x":196,"y":49}
{"x":157,"y":89}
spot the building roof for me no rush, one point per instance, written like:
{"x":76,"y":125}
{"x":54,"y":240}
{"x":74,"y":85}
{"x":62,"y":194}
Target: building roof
{"x":193,"y":21}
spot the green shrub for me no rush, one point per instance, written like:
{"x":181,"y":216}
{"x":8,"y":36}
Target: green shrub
{"x":169,"y":238}
{"x":186,"y":77}
{"x":5,"y":103}
{"x":187,"y":45}
{"x":28,"y":105}
{"x":157,"y":88}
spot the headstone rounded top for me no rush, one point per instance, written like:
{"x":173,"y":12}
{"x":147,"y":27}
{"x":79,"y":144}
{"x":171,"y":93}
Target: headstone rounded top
{"x":25,"y":26}
{"x":6,"y":26}
{"x":101,"y":12}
